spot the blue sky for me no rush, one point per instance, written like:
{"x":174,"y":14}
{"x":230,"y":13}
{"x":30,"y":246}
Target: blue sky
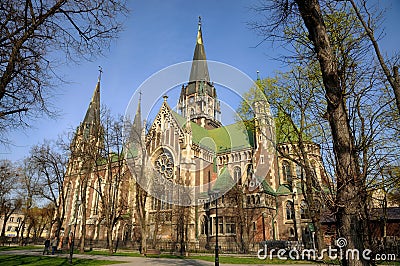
{"x":159,"y":34}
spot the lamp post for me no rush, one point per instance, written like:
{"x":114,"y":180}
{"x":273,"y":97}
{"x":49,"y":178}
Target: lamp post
{"x":296,"y":237}
{"x":292,"y":184}
{"x":71,"y":248}
{"x":207,"y":230}
{"x":216,"y":232}
{"x":214,"y":194}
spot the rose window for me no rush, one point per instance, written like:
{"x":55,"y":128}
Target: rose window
{"x":165,"y":165}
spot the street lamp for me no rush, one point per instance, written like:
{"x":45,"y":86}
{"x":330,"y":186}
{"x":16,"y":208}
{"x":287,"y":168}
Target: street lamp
{"x":296,"y":237}
{"x":207,"y":224}
{"x":71,"y":248}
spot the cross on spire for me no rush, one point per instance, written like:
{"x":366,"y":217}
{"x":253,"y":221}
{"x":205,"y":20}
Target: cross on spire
{"x":199,"y":23}
{"x":100,"y":72}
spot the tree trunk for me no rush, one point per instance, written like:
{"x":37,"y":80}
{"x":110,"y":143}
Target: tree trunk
{"x":141,"y":198}
{"x":83,"y":230}
{"x":350,"y":187}
{"x":110,"y":240}
{"x":3,"y":232}
{"x":156,"y":226}
{"x":83,"y":216}
{"x":143,"y":241}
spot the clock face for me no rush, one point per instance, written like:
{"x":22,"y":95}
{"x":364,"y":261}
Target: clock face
{"x":191,"y":100}
{"x":165,"y":165}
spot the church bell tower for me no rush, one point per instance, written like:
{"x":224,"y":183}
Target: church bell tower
{"x":198,"y":100}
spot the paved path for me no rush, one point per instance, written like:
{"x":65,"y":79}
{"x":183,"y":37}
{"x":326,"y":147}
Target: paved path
{"x":137,"y":261}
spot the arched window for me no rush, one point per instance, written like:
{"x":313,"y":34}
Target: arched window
{"x":289,"y":210}
{"x":287,"y":174}
{"x":237,"y":174}
{"x":304,"y":210}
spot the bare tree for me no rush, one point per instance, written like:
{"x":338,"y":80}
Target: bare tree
{"x":136,"y":154}
{"x":369,"y":24}
{"x":27,"y":191}
{"x":111,"y":174}
{"x":338,"y":47}
{"x":97,"y":165}
{"x":38,"y":219}
{"x":48,"y":164}
{"x":291,"y":97}
{"x":9,"y":202}
{"x":36,"y":36}
{"x":245,"y":214}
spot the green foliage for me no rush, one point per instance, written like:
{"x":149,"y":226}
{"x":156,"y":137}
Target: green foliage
{"x":284,"y":104}
{"x":393,"y":185}
{"x":255,"y":93}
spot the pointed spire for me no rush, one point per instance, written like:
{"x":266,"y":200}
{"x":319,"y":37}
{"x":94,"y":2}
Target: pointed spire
{"x":199,"y":71}
{"x":137,"y":121}
{"x":93,"y":111}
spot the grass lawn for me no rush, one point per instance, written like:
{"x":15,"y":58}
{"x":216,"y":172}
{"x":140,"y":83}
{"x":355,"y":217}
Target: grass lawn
{"x":224,"y":258}
{"x":255,"y":260}
{"x":248,"y":260}
{"x":119,"y":253}
{"x":15,"y":260}
{"x":5,"y":248}
{"x":233,"y":260}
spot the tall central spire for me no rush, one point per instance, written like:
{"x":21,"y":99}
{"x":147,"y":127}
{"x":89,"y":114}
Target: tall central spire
{"x":198,"y":100}
{"x":199,"y":70}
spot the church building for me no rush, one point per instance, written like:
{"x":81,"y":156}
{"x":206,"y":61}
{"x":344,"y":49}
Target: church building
{"x":237,"y":185}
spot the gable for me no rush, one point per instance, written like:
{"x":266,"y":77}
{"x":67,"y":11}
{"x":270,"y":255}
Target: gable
{"x":166,"y":114}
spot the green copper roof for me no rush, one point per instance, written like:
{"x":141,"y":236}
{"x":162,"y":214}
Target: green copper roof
{"x":283,"y":189}
{"x":224,"y":181}
{"x":113,"y":157}
{"x":234,"y":136}
{"x":267,"y":188}
{"x":180,"y":119}
{"x":231,"y":137}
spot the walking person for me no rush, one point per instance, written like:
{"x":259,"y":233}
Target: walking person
{"x":46,"y":246}
{"x":53,"y":245}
